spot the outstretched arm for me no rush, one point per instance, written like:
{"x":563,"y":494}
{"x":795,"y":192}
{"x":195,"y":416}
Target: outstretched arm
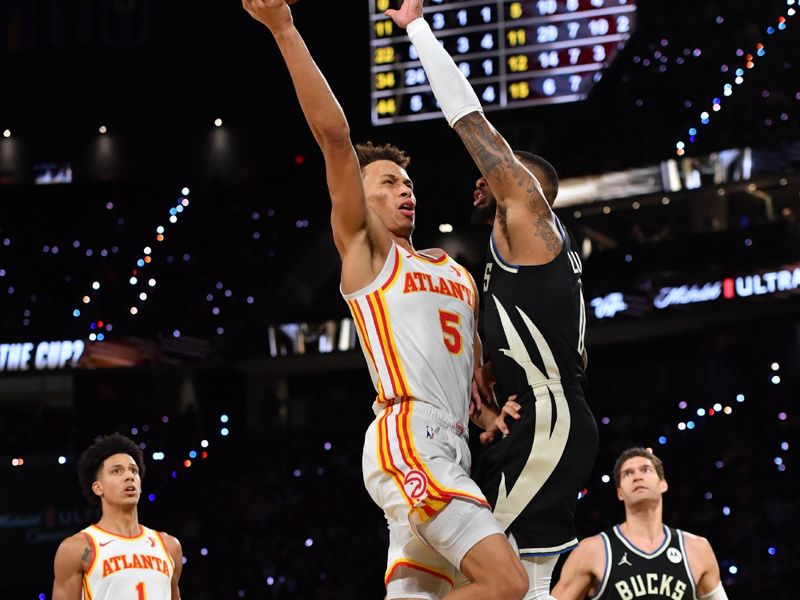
{"x":325,"y":118}
{"x":508,"y":178}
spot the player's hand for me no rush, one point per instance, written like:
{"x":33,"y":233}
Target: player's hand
{"x":482,"y":381}
{"x":510,"y":409}
{"x":410,"y":11}
{"x":275,"y":14}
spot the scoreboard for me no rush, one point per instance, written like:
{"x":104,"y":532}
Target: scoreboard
{"x":513,"y":52}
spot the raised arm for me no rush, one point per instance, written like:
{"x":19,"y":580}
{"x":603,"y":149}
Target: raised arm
{"x":73,"y":557}
{"x":508,"y":178}
{"x":349,"y":216}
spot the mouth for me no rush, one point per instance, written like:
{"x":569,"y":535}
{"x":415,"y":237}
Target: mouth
{"x":640,"y":488}
{"x":479,"y":198}
{"x":131,"y":490}
{"x":407,"y":209}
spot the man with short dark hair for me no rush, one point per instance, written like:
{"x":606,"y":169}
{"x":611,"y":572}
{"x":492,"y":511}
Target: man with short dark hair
{"x":534,"y":323}
{"x":117,"y":558}
{"x":415,"y":314}
{"x":641,"y":557}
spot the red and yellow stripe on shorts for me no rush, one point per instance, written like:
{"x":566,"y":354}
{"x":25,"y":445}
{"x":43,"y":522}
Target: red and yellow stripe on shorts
{"x":399,"y":458}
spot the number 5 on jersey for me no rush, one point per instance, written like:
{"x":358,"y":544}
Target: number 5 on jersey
{"x":451,"y":335}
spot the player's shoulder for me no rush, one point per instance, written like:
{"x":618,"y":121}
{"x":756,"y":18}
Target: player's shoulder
{"x":76,"y":542}
{"x":697,"y":544}
{"x":75,"y":549}
{"x":432,"y":253}
{"x":590,"y":548}
{"x":172,"y":543}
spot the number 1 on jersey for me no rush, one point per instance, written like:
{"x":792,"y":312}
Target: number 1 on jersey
{"x":452,"y":336}
{"x":140,"y":591}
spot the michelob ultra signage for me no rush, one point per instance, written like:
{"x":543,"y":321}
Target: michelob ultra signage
{"x":44,"y":356}
{"x":744,"y":286}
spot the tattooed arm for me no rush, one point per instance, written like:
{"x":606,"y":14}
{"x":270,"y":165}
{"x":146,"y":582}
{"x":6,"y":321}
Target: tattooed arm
{"x":519,"y":194}
{"x":73,"y":559}
{"x":508,"y":178}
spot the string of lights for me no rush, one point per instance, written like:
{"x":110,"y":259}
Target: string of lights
{"x":100,"y":328}
{"x":750,"y":60}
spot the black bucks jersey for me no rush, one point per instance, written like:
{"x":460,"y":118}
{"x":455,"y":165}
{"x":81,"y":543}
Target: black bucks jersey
{"x":632,"y":573}
{"x":534,"y":325}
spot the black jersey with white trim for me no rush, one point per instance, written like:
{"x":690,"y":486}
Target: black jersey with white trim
{"x":535,"y":320}
{"x":631,"y":573}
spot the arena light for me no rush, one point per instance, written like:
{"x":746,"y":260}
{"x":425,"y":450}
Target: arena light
{"x":749,"y":63}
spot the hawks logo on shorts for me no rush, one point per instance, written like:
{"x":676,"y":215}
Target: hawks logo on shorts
{"x":416,"y":484}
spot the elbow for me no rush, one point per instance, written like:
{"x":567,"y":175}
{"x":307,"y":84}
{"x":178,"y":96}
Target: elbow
{"x":333,"y":136}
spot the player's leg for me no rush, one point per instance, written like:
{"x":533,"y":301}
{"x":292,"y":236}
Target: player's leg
{"x":540,"y":572}
{"x":467,"y":534}
{"x":414,"y":570}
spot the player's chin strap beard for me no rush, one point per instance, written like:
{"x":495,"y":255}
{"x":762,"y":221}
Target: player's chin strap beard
{"x":483,"y":215}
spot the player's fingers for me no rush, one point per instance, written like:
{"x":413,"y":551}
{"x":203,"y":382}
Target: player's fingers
{"x":486,"y":437}
{"x":501,"y":425}
{"x":476,"y":395}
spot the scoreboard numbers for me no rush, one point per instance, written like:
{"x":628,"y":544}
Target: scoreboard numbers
{"x":514,"y":52}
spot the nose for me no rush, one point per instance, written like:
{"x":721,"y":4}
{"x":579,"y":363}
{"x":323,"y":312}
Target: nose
{"x":481,"y":183}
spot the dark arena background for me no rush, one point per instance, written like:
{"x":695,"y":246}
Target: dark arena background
{"x":167,"y":269}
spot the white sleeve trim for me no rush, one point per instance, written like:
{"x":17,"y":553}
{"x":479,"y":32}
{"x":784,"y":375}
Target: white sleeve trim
{"x":451,"y":88}
{"x":718,"y":593}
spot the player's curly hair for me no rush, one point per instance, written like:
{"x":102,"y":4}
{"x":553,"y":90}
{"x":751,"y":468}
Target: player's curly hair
{"x":632,"y":453}
{"x":369,"y":153}
{"x":95,"y":455}
{"x":544,"y":172}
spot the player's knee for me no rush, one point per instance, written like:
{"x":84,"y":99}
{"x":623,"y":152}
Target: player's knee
{"x":511,"y":584}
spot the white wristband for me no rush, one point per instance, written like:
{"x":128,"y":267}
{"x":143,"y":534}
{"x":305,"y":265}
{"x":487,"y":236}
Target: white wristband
{"x":718,"y":593}
{"x":451,"y":88}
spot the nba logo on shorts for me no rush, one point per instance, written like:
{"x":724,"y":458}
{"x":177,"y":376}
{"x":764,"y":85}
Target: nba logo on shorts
{"x":459,"y":428}
{"x":674,"y":555}
{"x":416,"y":484}
{"x":429,"y":432}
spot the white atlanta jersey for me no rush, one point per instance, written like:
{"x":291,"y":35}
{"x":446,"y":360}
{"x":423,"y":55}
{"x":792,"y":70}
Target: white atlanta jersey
{"x":416,"y":325}
{"x":128,"y":568}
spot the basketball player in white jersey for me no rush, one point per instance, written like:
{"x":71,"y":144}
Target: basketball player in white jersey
{"x":641,"y":557}
{"x":415,"y":313}
{"x":117,"y":558}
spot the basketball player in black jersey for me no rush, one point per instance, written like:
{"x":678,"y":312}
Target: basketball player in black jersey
{"x":642,"y":557}
{"x":534,"y":326}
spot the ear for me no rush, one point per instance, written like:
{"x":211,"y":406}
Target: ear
{"x":619,"y":494}
{"x":663,"y":486}
{"x":97,"y":488}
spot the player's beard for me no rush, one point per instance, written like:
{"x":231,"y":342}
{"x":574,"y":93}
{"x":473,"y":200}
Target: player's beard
{"x":484,"y":215}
